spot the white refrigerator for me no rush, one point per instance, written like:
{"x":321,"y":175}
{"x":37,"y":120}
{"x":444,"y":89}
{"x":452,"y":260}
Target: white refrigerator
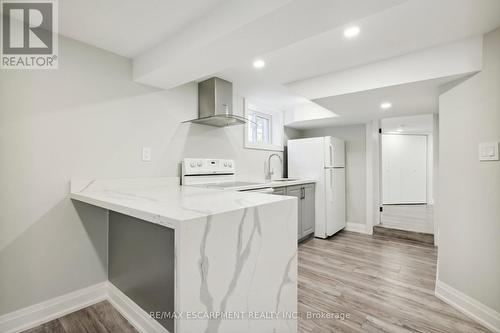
{"x":322,"y":159}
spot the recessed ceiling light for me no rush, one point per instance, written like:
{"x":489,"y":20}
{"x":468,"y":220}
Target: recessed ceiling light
{"x":259,"y":63}
{"x":385,"y":105}
{"x":351,"y":32}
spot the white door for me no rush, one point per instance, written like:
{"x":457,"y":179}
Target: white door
{"x":404,"y":169}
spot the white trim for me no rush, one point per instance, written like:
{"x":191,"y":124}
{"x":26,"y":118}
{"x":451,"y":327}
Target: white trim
{"x":371,"y":201}
{"x":369,"y":230}
{"x":356,"y":227}
{"x":135,"y":315}
{"x":373,"y":188}
{"x":263,"y":146}
{"x":435,"y":176}
{"x":469,"y":306}
{"x":276,"y":127}
{"x":57,"y":307}
{"x":51,"y":309}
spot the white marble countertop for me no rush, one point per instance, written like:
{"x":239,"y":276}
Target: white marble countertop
{"x":163,"y":201}
{"x":274,"y":184}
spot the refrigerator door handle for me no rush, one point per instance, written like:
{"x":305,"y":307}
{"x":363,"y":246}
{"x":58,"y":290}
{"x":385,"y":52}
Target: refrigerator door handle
{"x":328,"y":151}
{"x":330,"y":154}
{"x":331,"y":179}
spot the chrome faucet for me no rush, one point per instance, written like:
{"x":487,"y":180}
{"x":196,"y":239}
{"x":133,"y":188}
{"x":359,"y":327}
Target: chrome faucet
{"x":268,"y":172}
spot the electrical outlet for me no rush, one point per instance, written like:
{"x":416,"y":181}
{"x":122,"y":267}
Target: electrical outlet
{"x":146,"y":154}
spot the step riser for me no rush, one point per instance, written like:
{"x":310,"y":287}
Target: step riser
{"x":403,"y":234}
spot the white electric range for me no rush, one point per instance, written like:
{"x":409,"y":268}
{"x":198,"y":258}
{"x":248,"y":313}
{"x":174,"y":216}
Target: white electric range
{"x":220,"y":174}
{"x":213,"y":173}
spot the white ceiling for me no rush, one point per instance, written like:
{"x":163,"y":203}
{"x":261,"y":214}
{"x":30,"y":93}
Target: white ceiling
{"x":358,"y":108}
{"x":128,"y":27}
{"x":421,"y":124}
{"x":239,"y":33}
{"x":413,"y":25}
{"x":218,"y":38}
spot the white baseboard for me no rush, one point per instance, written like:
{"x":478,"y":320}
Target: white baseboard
{"x":357,"y":227}
{"x":57,"y":307}
{"x":469,"y":306}
{"x":46,"y":311}
{"x":135,"y":315}
{"x":60,"y":306}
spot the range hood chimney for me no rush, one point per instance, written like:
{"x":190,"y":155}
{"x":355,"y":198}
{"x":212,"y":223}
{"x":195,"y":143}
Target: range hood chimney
{"x":215,"y":104}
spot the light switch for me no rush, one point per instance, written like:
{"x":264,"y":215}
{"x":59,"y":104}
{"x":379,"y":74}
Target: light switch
{"x":488,"y":151}
{"x":146,"y":154}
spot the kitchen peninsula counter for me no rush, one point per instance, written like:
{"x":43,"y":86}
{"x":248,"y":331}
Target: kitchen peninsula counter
{"x":230,"y":253}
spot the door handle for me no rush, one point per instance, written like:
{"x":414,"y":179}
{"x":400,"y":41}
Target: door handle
{"x":302,"y":193}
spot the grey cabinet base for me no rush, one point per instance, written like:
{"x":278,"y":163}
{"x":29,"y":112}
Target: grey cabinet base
{"x":141,"y":264}
{"x":306,"y":208}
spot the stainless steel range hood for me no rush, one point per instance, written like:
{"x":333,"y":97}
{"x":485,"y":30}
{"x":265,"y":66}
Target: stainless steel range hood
{"x":215,"y":104}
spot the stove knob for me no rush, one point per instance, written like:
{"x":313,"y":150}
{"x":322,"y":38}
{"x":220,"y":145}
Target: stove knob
{"x":225,"y":164}
{"x":192,"y":164}
{"x":230,"y":164}
{"x":199,"y":163}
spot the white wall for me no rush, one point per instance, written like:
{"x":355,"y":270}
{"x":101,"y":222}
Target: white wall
{"x":86,"y":119}
{"x":291,"y":133}
{"x":469,"y":190}
{"x":435,"y":176}
{"x":354,"y":137}
{"x":307,"y":111}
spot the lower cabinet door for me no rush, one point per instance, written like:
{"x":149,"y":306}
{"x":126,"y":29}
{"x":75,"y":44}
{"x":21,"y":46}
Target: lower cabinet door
{"x":307,"y":210}
{"x":280,"y":191}
{"x":296,"y":191}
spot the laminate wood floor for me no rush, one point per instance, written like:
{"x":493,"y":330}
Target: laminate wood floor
{"x":383,"y":284}
{"x":97,"y":318}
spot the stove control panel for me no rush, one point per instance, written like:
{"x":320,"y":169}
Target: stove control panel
{"x":207,"y":166}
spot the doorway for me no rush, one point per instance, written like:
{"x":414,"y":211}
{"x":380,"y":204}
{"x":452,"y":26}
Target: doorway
{"x":407,"y":173}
